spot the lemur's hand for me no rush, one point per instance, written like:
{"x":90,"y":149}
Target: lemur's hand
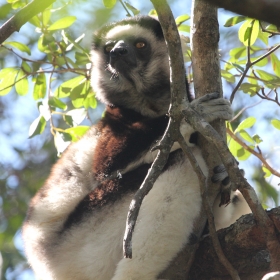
{"x":212,"y":107}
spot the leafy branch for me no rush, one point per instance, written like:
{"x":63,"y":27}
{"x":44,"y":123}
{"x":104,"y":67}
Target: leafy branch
{"x":21,"y":17}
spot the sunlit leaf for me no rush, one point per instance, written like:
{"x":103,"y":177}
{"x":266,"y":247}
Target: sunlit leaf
{"x":252,"y":89}
{"x":109,"y":3}
{"x":55,"y":102}
{"x":275,"y":64}
{"x":276,"y":123}
{"x":77,"y":132}
{"x":234,"y":20}
{"x":247,"y":123}
{"x":46,"y":16}
{"x":132,"y":9}
{"x":20,"y":46}
{"x":238,"y":52}
{"x":25,"y":67}
{"x":40,"y":87}
{"x":181,"y":19}
{"x":65,"y":88}
{"x":37,"y":126}
{"x":246,"y":136}
{"x":90,"y":101}
{"x":62,"y":23}
{"x":184,"y":28}
{"x":248,"y":32}
{"x":21,"y":85}
{"x":270,"y":80}
{"x":227,"y":76}
{"x":234,"y":147}
{"x":257,"y":139}
{"x":267,"y":172}
{"x":7,"y":80}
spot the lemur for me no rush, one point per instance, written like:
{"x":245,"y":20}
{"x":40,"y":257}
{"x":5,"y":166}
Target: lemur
{"x":75,"y":224}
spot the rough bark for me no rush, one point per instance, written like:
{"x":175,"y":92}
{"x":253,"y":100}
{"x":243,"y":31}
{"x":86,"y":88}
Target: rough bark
{"x":244,"y":246}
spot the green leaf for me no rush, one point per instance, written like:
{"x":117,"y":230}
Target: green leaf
{"x":40,"y":87}
{"x":62,"y":23}
{"x":132,"y":9}
{"x":37,"y":127}
{"x":25,"y":67}
{"x":90,"y":101}
{"x":245,"y":135}
{"x":267,"y":172}
{"x":21,"y":85}
{"x":77,"y":132}
{"x":275,"y":64}
{"x":272,"y":28}
{"x":252,"y":89}
{"x":7,"y":80}
{"x":257,"y":139}
{"x":19,"y":46}
{"x":248,"y":32}
{"x":227,"y":76}
{"x":268,"y":76}
{"x":234,"y":20}
{"x":243,"y":154}
{"x":65,"y":88}
{"x":55,"y":102}
{"x":263,"y":36}
{"x":238,"y":52}
{"x":78,"y":94}
{"x":109,"y":3}
{"x":275,"y":123}
{"x":46,"y":15}
{"x":184,"y":28}
{"x":247,"y":123}
{"x":181,"y":19}
{"x":234,"y":147}
{"x":35,"y":21}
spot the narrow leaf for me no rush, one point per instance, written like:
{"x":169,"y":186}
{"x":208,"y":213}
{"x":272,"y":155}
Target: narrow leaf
{"x":247,"y":123}
{"x":21,"y":85}
{"x":40,"y":87}
{"x":62,"y":23}
{"x":109,"y":3}
{"x":234,"y":20}
{"x":276,"y":123}
{"x":19,"y":46}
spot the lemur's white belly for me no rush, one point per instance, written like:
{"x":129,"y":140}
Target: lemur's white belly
{"x":163,"y":227}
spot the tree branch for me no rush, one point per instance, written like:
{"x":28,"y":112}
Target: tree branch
{"x":240,"y":182}
{"x":266,"y":10}
{"x":178,"y":93}
{"x":22,"y":16}
{"x":245,"y":247}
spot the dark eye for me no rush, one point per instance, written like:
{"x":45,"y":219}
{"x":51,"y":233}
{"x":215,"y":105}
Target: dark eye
{"x":108,"y":48}
{"x":140,"y":45}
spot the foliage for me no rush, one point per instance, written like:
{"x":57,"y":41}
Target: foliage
{"x":53,"y":67}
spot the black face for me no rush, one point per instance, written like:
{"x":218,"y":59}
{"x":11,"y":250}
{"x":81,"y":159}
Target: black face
{"x":131,"y":67}
{"x":122,"y":56}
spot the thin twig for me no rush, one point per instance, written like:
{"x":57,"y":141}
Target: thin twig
{"x":253,"y":152}
{"x":249,"y":64}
